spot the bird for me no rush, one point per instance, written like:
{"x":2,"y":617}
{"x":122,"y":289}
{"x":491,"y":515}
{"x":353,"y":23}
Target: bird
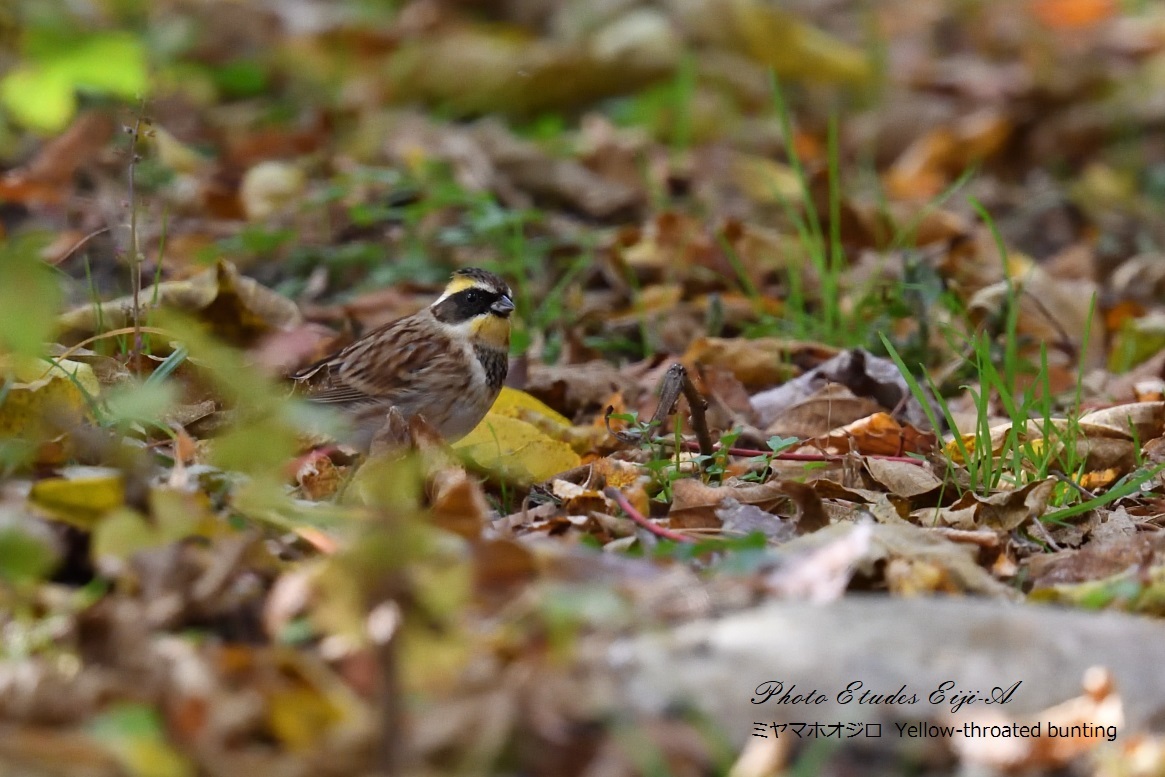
{"x":446,"y":363}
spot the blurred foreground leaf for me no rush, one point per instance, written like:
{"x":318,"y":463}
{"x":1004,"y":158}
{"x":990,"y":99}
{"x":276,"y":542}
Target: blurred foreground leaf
{"x":81,"y":496}
{"x":41,"y":93}
{"x":136,"y":735}
{"x":481,"y":70}
{"x":42,"y":396}
{"x":27,"y":550}
{"x":174,"y":515}
{"x":29,"y":297}
{"x":777,"y":38}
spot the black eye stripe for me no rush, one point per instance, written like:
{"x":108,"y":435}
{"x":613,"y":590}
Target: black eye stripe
{"x":465,"y":304}
{"x":476,"y":296}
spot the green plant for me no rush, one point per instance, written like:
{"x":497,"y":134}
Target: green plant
{"x":762,"y":465}
{"x":665,"y":109}
{"x":665,"y":463}
{"x":1041,"y":438}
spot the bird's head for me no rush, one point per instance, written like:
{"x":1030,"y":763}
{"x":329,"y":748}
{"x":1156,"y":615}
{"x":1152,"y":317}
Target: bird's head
{"x":478,"y":303}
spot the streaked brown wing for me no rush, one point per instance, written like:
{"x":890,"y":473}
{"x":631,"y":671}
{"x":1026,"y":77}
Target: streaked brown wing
{"x":384,"y":366}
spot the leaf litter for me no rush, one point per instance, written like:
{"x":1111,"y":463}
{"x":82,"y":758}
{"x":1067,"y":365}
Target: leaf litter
{"x":791,"y":327}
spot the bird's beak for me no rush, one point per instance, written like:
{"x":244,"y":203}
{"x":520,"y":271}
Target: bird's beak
{"x":503,"y":307}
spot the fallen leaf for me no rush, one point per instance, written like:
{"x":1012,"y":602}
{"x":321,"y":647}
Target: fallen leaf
{"x":81,"y":496}
{"x":1004,"y":511}
{"x":757,"y":364}
{"x":45,"y":398}
{"x":237,"y":308}
{"x":270,"y":189}
{"x":516,"y":450}
{"x":136,"y":735}
{"x":902,"y":479}
{"x":694,"y":505}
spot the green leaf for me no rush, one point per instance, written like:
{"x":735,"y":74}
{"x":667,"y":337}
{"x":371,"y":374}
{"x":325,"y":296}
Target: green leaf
{"x":38,"y":98}
{"x":144,"y":403}
{"x":41,"y":93}
{"x":29,"y":298}
{"x":26,"y":549}
{"x":135,"y":734}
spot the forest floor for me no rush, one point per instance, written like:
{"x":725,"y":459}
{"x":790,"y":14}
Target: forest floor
{"x":839,"y":349}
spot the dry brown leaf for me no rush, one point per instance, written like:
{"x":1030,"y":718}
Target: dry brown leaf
{"x":741,"y":519}
{"x":758,"y":364}
{"x":865,"y":374}
{"x":48,"y":178}
{"x":1143,"y":420}
{"x":575,"y":388}
{"x":500,"y":565}
{"x":318,"y":477}
{"x":833,"y":405}
{"x":1101,"y":558}
{"x":236,"y":307}
{"x":694,"y":504}
{"x":1053,"y":312}
{"x":877,"y":435}
{"x":868,"y":547}
{"x":902,"y":479}
{"x":1004,"y":511}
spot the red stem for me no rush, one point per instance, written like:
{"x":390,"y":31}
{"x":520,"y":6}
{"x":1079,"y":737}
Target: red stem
{"x":638,"y":517}
{"x":691,"y":446}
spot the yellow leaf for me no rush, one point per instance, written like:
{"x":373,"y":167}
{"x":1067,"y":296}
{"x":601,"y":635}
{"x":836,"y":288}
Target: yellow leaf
{"x":516,"y":449}
{"x":41,"y":392}
{"x":300,"y":715}
{"x":512,"y":402}
{"x":308,"y":704}
{"x":765,"y":180}
{"x":82,"y":496}
{"x":953,"y":451}
{"x":779,"y":39}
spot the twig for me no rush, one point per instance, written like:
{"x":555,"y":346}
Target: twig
{"x":675,"y":382}
{"x":135,"y":263}
{"x":697,"y":404}
{"x":390,"y":751}
{"x":1037,"y":528}
{"x":1084,"y":492}
{"x":77,"y":246}
{"x":626,"y":506}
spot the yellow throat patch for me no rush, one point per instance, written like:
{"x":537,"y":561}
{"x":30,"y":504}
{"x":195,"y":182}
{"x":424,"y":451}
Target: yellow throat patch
{"x":490,"y":330}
